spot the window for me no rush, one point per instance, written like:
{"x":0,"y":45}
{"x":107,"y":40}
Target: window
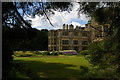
{"x":84,"y":42}
{"x":55,"y":41}
{"x":65,"y":48}
{"x":52,"y":43}
{"x":52,"y":33}
{"x":84,"y":34}
{"x":75,"y":33}
{"x":55,"y":48}
{"x":55,"y":33}
{"x":65,"y":41}
{"x":75,"y":42}
{"x":65,"y":33}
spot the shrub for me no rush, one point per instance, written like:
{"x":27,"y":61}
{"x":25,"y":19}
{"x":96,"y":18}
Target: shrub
{"x":55,"y":53}
{"x":45,"y":52}
{"x":23,"y":54}
{"x":60,"y":53}
{"x":27,"y":54}
{"x":85,"y":52}
{"x":18,"y":53}
{"x":38,"y":52}
{"x":84,"y":69}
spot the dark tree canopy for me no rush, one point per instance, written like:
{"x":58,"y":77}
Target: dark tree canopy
{"x":105,"y":54}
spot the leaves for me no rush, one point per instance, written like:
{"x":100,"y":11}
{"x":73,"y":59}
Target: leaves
{"x":14,"y":13}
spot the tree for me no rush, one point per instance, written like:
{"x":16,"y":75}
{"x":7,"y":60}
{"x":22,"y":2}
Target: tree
{"x":29,"y":9}
{"x":40,"y":42}
{"x":17,"y":29}
{"x":105,"y":53}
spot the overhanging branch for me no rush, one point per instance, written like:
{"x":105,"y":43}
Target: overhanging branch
{"x":46,"y":15}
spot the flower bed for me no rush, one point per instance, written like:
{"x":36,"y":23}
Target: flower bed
{"x":70,"y":52}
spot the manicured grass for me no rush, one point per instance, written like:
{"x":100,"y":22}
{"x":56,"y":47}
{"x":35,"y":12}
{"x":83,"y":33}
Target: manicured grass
{"x":54,"y":66}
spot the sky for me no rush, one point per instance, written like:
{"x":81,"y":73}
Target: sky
{"x":60,"y":18}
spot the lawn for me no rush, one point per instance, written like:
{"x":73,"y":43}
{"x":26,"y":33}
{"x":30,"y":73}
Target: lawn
{"x":52,"y":66}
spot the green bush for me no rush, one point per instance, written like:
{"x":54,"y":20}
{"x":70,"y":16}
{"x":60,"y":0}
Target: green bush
{"x":55,"y":53}
{"x":18,"y":53}
{"x":28,"y":54}
{"x":60,"y":53}
{"x":45,"y":52}
{"x":38,"y":52}
{"x":84,"y":69}
{"x":23,"y":54}
{"x":85,"y":52}
{"x":35,"y":53}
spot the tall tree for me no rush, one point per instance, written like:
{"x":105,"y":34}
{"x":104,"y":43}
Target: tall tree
{"x":105,"y":53}
{"x":13,"y":17}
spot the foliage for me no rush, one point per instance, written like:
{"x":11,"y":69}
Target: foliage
{"x":34,"y":53}
{"x":23,"y":54}
{"x":85,"y":70}
{"x":6,"y":60}
{"x":85,"y":52}
{"x":45,"y":52}
{"x":17,"y":31}
{"x":22,"y":40}
{"x":55,"y":53}
{"x":104,"y":56}
{"x":13,"y":17}
{"x":39,"y":42}
{"x":105,"y":53}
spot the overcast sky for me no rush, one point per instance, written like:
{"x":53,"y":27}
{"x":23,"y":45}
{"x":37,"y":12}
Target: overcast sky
{"x":59,"y":19}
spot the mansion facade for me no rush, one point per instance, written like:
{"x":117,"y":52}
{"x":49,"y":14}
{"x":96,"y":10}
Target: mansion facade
{"x":70,"y":38}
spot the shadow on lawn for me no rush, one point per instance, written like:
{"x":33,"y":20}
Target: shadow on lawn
{"x":38,"y":69}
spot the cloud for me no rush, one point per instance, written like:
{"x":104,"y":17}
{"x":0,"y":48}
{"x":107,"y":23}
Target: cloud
{"x":59,"y":19}
{"x":77,"y":24}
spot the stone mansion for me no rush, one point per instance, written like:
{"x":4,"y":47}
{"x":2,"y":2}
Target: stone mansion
{"x":70,"y":38}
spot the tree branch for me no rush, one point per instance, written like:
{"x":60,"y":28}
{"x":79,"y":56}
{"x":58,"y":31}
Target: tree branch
{"x":46,"y":15}
{"x":28,"y":25}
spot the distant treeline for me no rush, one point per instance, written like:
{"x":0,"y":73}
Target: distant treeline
{"x":25,"y":39}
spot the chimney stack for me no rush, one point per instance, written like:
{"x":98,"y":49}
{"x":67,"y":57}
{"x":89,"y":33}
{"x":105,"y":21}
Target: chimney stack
{"x":77,"y":28}
{"x":71,"y":27}
{"x":63,"y":26}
